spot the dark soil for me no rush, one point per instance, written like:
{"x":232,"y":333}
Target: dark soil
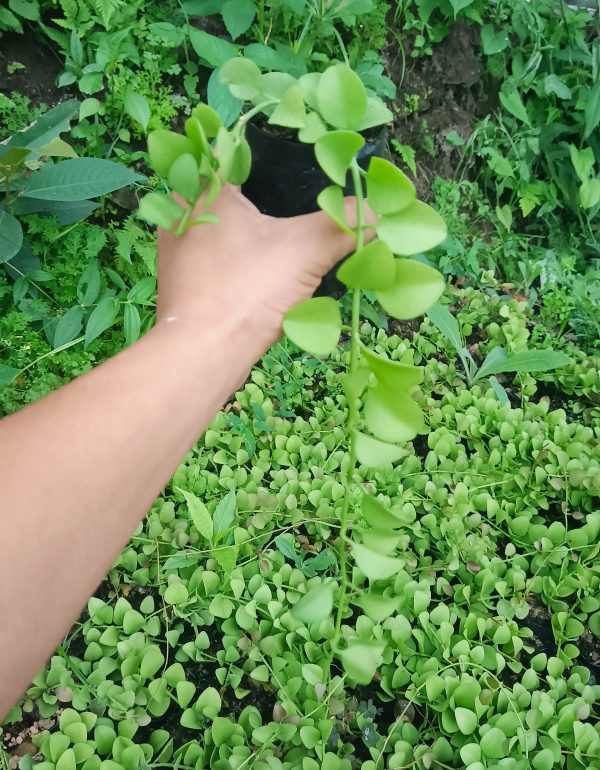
{"x":37,"y":80}
{"x":438,"y":94}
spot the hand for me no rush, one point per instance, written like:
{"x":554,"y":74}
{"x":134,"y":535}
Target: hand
{"x":249,"y":264}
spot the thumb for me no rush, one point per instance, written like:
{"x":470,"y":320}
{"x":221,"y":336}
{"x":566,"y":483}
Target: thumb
{"x":320,"y":239}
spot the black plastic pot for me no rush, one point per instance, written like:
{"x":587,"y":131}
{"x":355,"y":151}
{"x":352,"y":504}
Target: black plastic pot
{"x":285,"y":178}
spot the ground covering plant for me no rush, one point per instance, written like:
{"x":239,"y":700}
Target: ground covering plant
{"x":330,"y":582}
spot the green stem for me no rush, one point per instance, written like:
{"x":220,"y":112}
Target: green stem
{"x":353,"y":416}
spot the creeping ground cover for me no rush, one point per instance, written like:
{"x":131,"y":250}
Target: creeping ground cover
{"x":384,"y":551}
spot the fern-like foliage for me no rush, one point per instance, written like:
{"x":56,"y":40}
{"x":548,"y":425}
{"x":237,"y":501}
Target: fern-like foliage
{"x":106,"y":9}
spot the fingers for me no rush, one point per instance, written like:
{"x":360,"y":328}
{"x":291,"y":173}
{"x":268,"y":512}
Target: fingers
{"x":320,"y":243}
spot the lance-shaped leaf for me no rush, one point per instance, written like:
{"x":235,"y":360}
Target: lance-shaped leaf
{"x":389,"y":190}
{"x":415,"y":229}
{"x":335,"y":152}
{"x":416,"y":288}
{"x":392,"y":416}
{"x":371,"y":268}
{"x":314,"y":325}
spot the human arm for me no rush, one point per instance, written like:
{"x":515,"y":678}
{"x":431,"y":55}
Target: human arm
{"x":82,"y":466}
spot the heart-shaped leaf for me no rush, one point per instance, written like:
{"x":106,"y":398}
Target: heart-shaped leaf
{"x":416,"y":288}
{"x":374,"y":565}
{"x":362,"y":659}
{"x":377,"y":515}
{"x":374,"y":453}
{"x":314,"y":325}
{"x":378,"y":607}
{"x":371,"y":268}
{"x":393,"y":374}
{"x":413,"y":230}
{"x":315,"y":605}
{"x":335,"y":152}
{"x":291,"y":111}
{"x":392,"y":416}
{"x":388,"y":189}
{"x":341,"y":96}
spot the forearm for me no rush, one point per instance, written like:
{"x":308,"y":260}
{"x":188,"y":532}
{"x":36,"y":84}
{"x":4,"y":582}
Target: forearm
{"x":81,"y":468}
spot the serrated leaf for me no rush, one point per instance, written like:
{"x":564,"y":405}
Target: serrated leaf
{"x":226,"y":557}
{"x":198,"y":514}
{"x":224,"y":513}
{"x":314,"y":325}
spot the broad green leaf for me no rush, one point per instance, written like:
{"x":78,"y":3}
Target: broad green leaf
{"x":466,"y":720}
{"x":184,"y":177}
{"x":589,"y":193}
{"x":315,"y":605}
{"x":460,"y":5}
{"x":378,"y":607}
{"x":160,"y":209}
{"x":211,"y":49}
{"x":238,"y":16}
{"x":492,"y":743}
{"x":185,"y":692}
{"x":392,"y":416}
{"x":592,"y":110}
{"x":221,"y":730}
{"x":102,"y":317}
{"x":164,"y":147}
{"x":378,"y":515}
{"x":50,"y":125}
{"x":152,"y":660}
{"x":7,"y":374}
{"x":335,"y":152}
{"x":222,"y":101}
{"x":374,"y":565}
{"x":313,"y":129}
{"x":290,"y":112}
{"x":198,"y":514}
{"x":56,"y":148}
{"x":362,"y":659}
{"x":89,"y":107}
{"x":388,"y":189}
{"x":274,"y":85}
{"x":342,"y":97}
{"x":413,"y":230}
{"x":77,"y":179}
{"x":554,"y":85}
{"x":512,"y":102}
{"x":331,"y":201}
{"x":208,"y":118}
{"x":543,"y":760}
{"x":381,"y":540}
{"x":242,"y":76}
{"x":314,"y":325}
{"x":417,"y":288}
{"x":526,"y":361}
{"x":132,"y":323}
{"x":371,"y":268}
{"x":190,"y":720}
{"x":138,"y":108}
{"x":392,"y":374}
{"x":374,"y":453}
{"x":224,"y":513}
{"x":11,"y":235}
{"x":377,"y":114}
{"x":66,"y":761}
{"x":583,"y":161}
{"x":68,"y":326}
{"x":176,"y":593}
{"x":493,"y":42}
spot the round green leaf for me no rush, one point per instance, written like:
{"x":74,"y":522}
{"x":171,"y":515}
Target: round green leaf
{"x":371,"y":268}
{"x":164,"y":147}
{"x":392,"y":416}
{"x":374,"y":565}
{"x":242,"y":162}
{"x":184,"y":177}
{"x":160,"y":209}
{"x":315,"y":605}
{"x":378,"y":607}
{"x":392,"y":374}
{"x":152,"y":660}
{"x":416,"y":288}
{"x":388,"y":189}
{"x":492,"y":743}
{"x":314,"y":325}
{"x":290,"y":112}
{"x":176,"y":593}
{"x":361,"y":660}
{"x":341,"y":96}
{"x":413,"y":230}
{"x":313,"y":129}
{"x":335,"y":152}
{"x":208,"y":118}
{"x":66,"y":761}
{"x":195,"y":132}
{"x":331,"y":201}
{"x":466,"y":720}
{"x":374,"y":453}
{"x":243,"y":78}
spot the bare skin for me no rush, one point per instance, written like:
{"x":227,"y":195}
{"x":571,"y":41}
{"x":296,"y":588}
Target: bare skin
{"x":81,"y":467}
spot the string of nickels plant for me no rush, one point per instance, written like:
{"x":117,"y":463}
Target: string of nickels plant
{"x":353,"y":414}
